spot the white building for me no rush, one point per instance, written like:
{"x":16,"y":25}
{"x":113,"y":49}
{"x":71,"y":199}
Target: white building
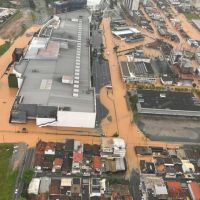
{"x":140,"y":72}
{"x":93,"y":4}
{"x":132,"y":5}
{"x":166,"y":80}
{"x":113,"y":147}
{"x":66,"y":182}
{"x":187,"y":166}
{"x":54,"y":77}
{"x":34,"y":186}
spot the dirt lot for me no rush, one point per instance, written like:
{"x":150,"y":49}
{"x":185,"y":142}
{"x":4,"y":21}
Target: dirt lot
{"x":17,"y":25}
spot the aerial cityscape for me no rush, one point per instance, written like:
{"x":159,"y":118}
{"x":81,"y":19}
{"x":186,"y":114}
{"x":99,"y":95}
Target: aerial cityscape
{"x":100,"y":99}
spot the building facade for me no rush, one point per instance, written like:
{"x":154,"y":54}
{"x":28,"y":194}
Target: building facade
{"x":132,"y":5}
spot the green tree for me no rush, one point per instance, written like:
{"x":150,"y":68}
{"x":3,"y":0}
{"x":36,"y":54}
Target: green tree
{"x":27,"y":177}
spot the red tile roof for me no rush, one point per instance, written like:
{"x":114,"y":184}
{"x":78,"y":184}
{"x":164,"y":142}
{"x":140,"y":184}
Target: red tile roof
{"x":96,"y":162}
{"x":174,"y":189}
{"x":128,"y":197}
{"x":54,"y":187}
{"x":58,"y":162}
{"x":50,"y":146}
{"x":195,"y":190}
{"x":77,"y":156}
{"x":43,"y":197}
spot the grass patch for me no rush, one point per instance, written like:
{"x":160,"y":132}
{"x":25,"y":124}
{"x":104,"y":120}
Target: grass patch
{"x":113,"y":181}
{"x":7,"y":176}
{"x":191,"y":16}
{"x":27,"y":177}
{"x":4,"y":47}
{"x":133,"y":100}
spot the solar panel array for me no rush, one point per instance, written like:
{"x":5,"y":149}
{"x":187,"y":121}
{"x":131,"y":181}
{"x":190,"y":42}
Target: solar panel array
{"x":78,"y":60}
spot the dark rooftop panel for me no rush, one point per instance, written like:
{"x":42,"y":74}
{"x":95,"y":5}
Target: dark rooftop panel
{"x":168,"y":100}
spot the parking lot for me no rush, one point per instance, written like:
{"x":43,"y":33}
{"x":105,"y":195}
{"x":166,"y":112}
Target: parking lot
{"x":100,"y":72}
{"x":179,"y":130}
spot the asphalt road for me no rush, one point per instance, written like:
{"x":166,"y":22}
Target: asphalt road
{"x":26,"y":164}
{"x":134,"y":185}
{"x":100,"y":73}
{"x":85,"y":192}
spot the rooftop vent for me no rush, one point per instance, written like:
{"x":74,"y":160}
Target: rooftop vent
{"x":162,"y":95}
{"x":75,"y":94}
{"x":74,"y":20}
{"x":67,"y":79}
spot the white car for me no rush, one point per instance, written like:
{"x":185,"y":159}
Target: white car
{"x":16,"y":191}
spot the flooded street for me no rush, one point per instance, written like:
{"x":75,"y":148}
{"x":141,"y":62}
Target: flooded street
{"x":122,"y":118}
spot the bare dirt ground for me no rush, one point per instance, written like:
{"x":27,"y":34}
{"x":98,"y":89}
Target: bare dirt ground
{"x":16,"y":25}
{"x":119,"y":110}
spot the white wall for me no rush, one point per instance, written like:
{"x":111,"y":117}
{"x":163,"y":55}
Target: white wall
{"x":135,"y":4}
{"x":75,"y":119}
{"x":44,"y":121}
{"x":19,"y":78}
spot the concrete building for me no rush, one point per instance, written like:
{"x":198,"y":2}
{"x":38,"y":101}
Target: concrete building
{"x":140,"y":72}
{"x":195,"y":3}
{"x":34,"y":186}
{"x":132,"y":5}
{"x":113,"y":147}
{"x":69,"y":5}
{"x":44,"y":184}
{"x":94,"y":4}
{"x":196,"y":23}
{"x":54,"y":75}
{"x":153,"y":187}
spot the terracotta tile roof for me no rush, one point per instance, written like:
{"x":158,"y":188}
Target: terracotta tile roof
{"x":77,"y":156}
{"x":50,"y":146}
{"x":195,"y":189}
{"x":54,"y":188}
{"x":43,"y":197}
{"x":174,"y":189}
{"x":58,"y":162}
{"x":96,"y":160}
{"x":40,"y":147}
